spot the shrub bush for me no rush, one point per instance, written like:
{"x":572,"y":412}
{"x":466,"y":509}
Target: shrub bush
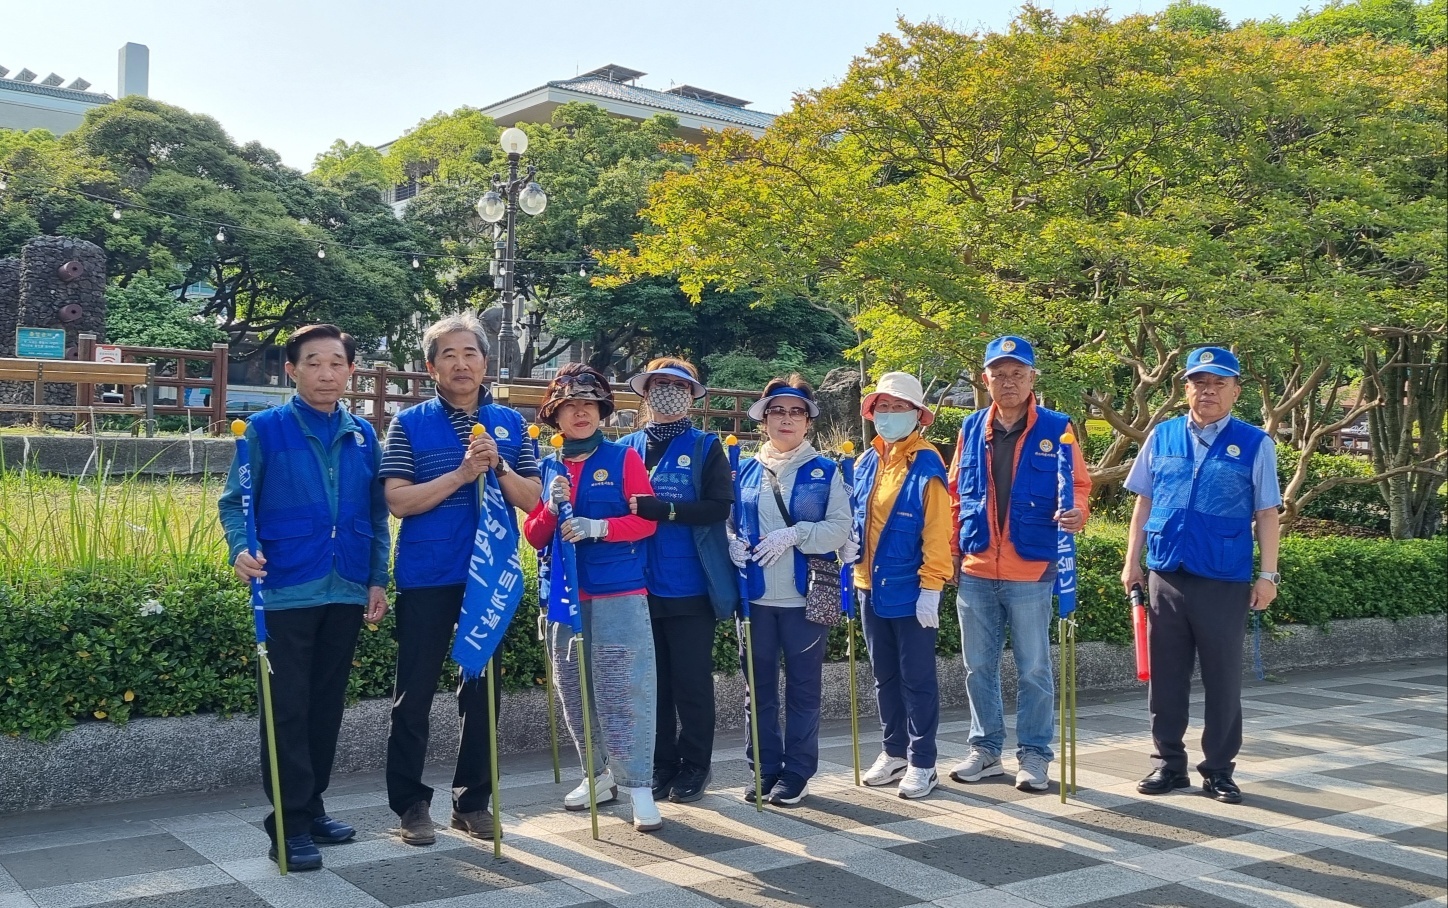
{"x":110,"y":644}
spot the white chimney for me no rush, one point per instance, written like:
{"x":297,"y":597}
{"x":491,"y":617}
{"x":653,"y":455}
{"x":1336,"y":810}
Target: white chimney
{"x":133,"y":71}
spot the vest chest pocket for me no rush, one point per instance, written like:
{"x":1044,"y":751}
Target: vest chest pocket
{"x":295,"y":528}
{"x":1040,"y":481}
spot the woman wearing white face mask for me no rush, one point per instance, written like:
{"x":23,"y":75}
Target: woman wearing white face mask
{"x":690,"y":580}
{"x":902,"y":517}
{"x":792,"y":504}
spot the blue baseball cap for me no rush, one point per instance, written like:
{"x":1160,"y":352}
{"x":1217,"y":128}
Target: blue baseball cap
{"x":1010,"y":347}
{"x":1215,"y":360}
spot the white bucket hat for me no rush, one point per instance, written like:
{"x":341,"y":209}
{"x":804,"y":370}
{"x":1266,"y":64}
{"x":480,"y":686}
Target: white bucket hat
{"x":904,"y":386}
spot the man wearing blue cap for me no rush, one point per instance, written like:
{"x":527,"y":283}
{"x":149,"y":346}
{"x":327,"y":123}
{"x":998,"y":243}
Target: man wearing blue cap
{"x":1003,"y":483}
{"x":1203,"y":481}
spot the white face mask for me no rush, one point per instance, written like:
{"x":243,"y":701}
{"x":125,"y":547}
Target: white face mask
{"x":895,"y":426}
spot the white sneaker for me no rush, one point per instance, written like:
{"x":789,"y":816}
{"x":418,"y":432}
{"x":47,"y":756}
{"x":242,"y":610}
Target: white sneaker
{"x":979,"y":764}
{"x":1034,"y":774}
{"x":887,"y":769}
{"x":646,"y":812}
{"x":919,"y":781}
{"x":603,"y":790}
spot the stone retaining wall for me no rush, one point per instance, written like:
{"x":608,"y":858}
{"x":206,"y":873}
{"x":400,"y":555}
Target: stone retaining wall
{"x":102,"y":762}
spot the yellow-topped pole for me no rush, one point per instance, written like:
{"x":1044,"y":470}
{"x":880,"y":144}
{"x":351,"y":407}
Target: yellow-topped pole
{"x":732,"y":443}
{"x":847,"y":466}
{"x":478,"y":432}
{"x":1068,"y":640}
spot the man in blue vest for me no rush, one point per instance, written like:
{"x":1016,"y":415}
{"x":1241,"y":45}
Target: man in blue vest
{"x":1003,"y":482}
{"x":430,"y":469}
{"x":321,"y":526}
{"x":1205,"y":481}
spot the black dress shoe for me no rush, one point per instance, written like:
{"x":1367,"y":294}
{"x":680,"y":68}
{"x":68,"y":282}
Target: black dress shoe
{"x":690,"y":783}
{"x":664,"y":781}
{"x":1161,"y":781}
{"x":1219,"y":785}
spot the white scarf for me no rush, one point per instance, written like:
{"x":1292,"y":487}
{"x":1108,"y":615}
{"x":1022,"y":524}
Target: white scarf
{"x":778,"y":461}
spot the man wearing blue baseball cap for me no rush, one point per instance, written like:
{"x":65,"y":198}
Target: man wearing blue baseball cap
{"x":1002,"y":483}
{"x":1203,"y":481}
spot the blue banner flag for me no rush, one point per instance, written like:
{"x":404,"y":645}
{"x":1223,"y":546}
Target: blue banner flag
{"x":495,"y":583}
{"x":562,"y":596}
{"x":847,"y":571}
{"x":248,"y":511}
{"x":1065,"y":588}
{"x":733,"y":445}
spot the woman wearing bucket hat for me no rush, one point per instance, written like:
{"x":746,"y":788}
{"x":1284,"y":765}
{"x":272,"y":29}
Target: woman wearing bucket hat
{"x":690,"y":580}
{"x":792,"y":504}
{"x":902,"y":515}
{"x":599,"y":477}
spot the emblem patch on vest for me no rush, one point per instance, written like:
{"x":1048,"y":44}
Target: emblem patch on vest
{"x":360,"y":438}
{"x":685,"y":460}
{"x":501,"y":432}
{"x":1046,"y":446}
{"x":1234,"y":451}
{"x":600,"y":475}
{"x":816,"y":473}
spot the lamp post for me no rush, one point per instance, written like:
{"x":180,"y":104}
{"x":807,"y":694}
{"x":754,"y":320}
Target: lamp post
{"x":502,"y":204}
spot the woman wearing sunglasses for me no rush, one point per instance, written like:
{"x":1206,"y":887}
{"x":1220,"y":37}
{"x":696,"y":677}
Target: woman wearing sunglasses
{"x":599,"y":477}
{"x":792,"y":504}
{"x":691,"y":582}
{"x":902,"y":514}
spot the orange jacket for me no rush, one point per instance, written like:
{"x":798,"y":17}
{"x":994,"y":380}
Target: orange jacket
{"x":895,"y":459}
{"x":999,"y":561}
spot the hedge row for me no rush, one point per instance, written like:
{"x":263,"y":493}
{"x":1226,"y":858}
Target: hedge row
{"x":97,"y":646}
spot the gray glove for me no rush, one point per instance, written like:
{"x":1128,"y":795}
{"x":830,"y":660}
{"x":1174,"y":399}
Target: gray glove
{"x":558,"y":493}
{"x":927,"y":608}
{"x":738,"y":550}
{"x":581,"y":528}
{"x":775,"y":544}
{"x":850,"y":551}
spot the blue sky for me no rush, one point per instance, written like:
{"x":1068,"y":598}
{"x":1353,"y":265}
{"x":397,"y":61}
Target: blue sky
{"x":296,"y":74}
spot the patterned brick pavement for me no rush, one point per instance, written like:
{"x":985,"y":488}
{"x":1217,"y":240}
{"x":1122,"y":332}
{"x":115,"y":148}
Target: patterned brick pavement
{"x":1343,"y":774}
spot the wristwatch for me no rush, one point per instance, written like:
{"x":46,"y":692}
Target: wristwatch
{"x":502,"y":469}
{"x":1274,"y":576}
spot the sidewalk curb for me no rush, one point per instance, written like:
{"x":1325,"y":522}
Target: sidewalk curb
{"x":102,"y":762}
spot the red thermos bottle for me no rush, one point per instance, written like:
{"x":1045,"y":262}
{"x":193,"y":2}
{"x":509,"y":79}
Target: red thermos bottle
{"x":1138,"y":634}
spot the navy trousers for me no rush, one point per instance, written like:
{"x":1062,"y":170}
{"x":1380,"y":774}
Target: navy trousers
{"x":786,"y":632}
{"x":902,"y":657}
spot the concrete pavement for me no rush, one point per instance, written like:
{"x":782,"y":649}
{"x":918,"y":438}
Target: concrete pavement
{"x":1343,"y":773}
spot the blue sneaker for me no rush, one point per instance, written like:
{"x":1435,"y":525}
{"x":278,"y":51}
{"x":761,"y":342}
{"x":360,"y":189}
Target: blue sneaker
{"x":789,"y":790}
{"x":327,"y":831}
{"x":302,"y":853}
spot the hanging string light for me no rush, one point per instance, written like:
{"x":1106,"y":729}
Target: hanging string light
{"x":321,"y":252}
{"x":116,"y":213}
{"x":221,"y":234}
{"x":415,"y":263}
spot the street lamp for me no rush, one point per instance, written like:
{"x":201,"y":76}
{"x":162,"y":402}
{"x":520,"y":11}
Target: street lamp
{"x":502,"y":203}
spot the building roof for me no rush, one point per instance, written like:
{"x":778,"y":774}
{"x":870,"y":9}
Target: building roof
{"x":667,"y":102}
{"x":55,"y":91}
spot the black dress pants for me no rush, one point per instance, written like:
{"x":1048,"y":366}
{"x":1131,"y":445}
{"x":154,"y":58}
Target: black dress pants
{"x":311,"y":653}
{"x":426,"y":620}
{"x":684,"y":650}
{"x":1194,"y":618}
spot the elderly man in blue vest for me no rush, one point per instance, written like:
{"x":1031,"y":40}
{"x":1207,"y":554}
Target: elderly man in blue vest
{"x":1003,"y":480}
{"x":321,"y":526}
{"x":1205,"y":481}
{"x":430,"y":469}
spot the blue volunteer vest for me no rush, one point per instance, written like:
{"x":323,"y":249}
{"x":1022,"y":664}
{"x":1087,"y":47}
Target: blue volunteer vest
{"x":1033,"y":488}
{"x":433,"y":547}
{"x":301,"y":538}
{"x":605,"y":567}
{"x":686,"y":560}
{"x":900,"y":551}
{"x":809,"y":502}
{"x":1202,"y":523}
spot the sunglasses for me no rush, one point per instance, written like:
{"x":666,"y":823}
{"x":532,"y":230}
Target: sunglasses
{"x":581,"y":379}
{"x":786,"y":412}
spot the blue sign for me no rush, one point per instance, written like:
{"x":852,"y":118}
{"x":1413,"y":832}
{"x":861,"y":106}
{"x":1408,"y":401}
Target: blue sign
{"x":40,"y":343}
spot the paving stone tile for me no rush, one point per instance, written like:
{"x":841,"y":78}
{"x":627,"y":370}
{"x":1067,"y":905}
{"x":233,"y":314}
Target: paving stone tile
{"x":234,"y":895}
{"x":1067,"y":889}
{"x":1438,"y":680}
{"x":852,"y":809}
{"x":994,"y":858}
{"x":184,"y":879}
{"x":316,"y":889}
{"x":1155,"y":824}
{"x":809,"y":885}
{"x":1355,"y":735}
{"x":1257,"y":750}
{"x":985,"y":898}
{"x":1347,"y":877}
{"x":48,"y":867}
{"x":1393,"y":776}
{"x":1121,"y":763}
{"x":678,"y":898}
{"x":16,"y":900}
{"x":1430,"y":838}
{"x":555,"y":894}
{"x":1297,"y":699}
{"x":1299,"y":801}
{"x":1111,"y":723}
{"x":1386,"y":691}
{"x":674,"y":842}
{"x":423,"y":877}
{"x":1173,"y":896}
{"x":995,"y":790}
{"x":1422,"y":717}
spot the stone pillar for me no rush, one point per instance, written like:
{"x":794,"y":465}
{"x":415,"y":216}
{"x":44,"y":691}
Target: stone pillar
{"x":63,"y":285}
{"x":11,"y":392}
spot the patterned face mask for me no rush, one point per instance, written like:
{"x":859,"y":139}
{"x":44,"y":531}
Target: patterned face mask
{"x":669,"y":400}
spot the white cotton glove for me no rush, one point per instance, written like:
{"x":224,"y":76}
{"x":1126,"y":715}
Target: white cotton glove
{"x":774,"y":545}
{"x":580,"y":528}
{"x":927,"y":608}
{"x":738,"y":550}
{"x":850,"y":551}
{"x":558,"y":493}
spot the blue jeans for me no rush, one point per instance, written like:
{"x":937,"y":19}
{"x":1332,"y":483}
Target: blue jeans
{"x":622,"y":686}
{"x":795,"y":747}
{"x":986,"y":608}
{"x":907,"y":691}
